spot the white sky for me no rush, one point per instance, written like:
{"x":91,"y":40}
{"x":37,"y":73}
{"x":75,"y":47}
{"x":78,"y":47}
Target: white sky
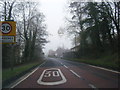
{"x":55,"y":18}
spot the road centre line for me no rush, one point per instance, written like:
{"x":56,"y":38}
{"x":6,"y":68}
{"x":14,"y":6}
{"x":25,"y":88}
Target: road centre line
{"x":27,"y":75}
{"x":62,"y":63}
{"x":65,"y":66}
{"x":75,"y":73}
{"x":104,"y":69}
{"x":92,"y":86}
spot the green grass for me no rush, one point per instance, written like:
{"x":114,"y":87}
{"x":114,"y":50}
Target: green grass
{"x":8,"y":73}
{"x":110,"y":62}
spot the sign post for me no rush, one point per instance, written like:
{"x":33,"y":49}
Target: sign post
{"x":7,"y":32}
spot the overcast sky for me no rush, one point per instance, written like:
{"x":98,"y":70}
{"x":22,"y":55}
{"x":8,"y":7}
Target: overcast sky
{"x":54,"y":10}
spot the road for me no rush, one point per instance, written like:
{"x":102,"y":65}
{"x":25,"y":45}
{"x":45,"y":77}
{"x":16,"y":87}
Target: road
{"x":59,"y":73}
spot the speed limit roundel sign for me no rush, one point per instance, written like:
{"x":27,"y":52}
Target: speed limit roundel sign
{"x":5,"y":28}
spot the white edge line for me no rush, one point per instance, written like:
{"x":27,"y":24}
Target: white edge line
{"x":24,"y":78}
{"x":98,"y":67}
{"x":42,"y":63}
{"x":39,"y":81}
{"x":65,"y":66}
{"x":27,"y":76}
{"x":104,"y":69}
{"x":92,"y":86}
{"x":75,"y":73}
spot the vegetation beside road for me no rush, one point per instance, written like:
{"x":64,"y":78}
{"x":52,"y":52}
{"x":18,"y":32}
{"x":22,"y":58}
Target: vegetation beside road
{"x":31,"y":34}
{"x":95,"y":31}
{"x":8,"y":73}
{"x":110,"y":62}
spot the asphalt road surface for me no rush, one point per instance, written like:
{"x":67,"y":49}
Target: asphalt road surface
{"x":59,"y":73}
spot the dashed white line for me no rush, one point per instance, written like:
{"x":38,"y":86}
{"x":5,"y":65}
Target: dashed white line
{"x":62,"y":63}
{"x":75,"y":73}
{"x":65,"y":66}
{"x":92,"y":86}
{"x":104,"y":69}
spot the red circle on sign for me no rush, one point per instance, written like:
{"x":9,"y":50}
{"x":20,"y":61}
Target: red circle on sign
{"x":6,"y":25}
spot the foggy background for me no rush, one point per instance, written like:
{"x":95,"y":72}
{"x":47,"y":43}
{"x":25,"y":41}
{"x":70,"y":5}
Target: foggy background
{"x":54,"y":11}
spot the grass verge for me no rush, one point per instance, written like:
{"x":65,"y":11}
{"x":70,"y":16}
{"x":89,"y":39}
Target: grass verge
{"x":102,"y":62}
{"x":8,"y":73}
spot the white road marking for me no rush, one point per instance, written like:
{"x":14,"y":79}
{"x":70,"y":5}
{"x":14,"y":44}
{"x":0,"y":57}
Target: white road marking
{"x":47,"y":74}
{"x":39,"y":81}
{"x":24,"y":78}
{"x":75,"y":73}
{"x":27,"y":76}
{"x":104,"y":69}
{"x":65,"y":66}
{"x":56,"y":74}
{"x":43,"y":63}
{"x":62,"y":63}
{"x":92,"y":86}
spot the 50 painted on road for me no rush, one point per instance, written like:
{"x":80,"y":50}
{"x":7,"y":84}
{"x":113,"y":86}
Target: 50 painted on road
{"x":52,"y":76}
